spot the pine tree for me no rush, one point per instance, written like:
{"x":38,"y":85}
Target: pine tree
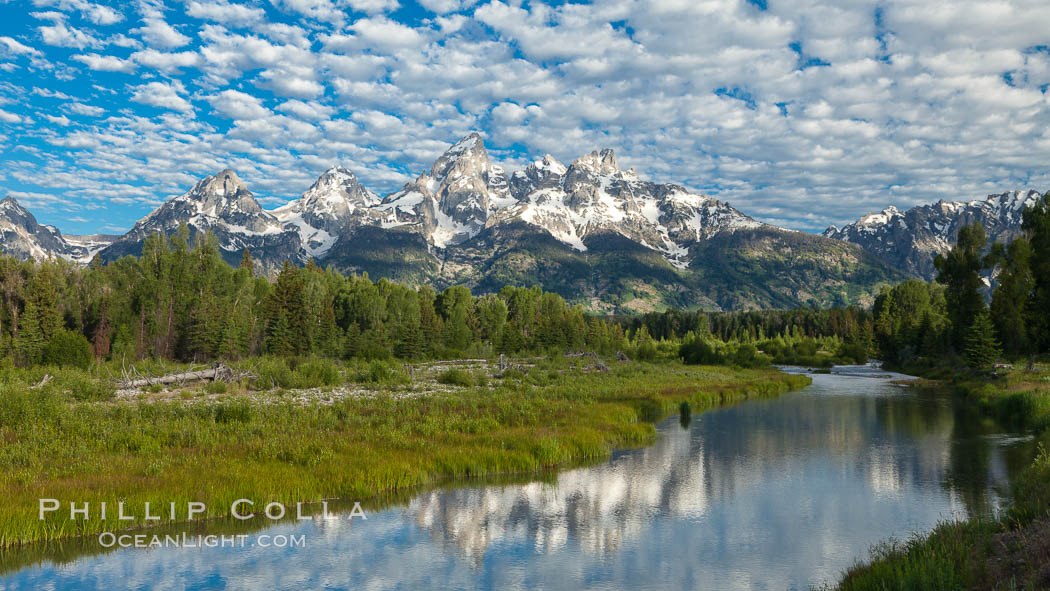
{"x":1012,"y":294}
{"x":1036,"y":224}
{"x":246,"y":261}
{"x":30,"y":341}
{"x":960,"y":271}
{"x":981,"y":347}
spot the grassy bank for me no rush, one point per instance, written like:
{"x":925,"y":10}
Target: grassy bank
{"x":351,"y":432}
{"x":1010,"y":551}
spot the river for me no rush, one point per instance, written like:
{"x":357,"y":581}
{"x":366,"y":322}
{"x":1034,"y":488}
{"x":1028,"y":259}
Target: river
{"x":780,"y":493}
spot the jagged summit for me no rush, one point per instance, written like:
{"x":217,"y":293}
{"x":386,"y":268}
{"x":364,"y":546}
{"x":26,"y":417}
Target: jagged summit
{"x":602,"y":161}
{"x":909,"y":240}
{"x":335,"y":204}
{"x":590,"y":230}
{"x":225,"y":183}
{"x":23,"y":237}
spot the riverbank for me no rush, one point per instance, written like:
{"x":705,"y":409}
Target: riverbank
{"x":1009,"y":551}
{"x":351,"y":432}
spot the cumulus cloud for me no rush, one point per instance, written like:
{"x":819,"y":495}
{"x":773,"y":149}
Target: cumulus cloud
{"x":105,"y":63}
{"x":167,"y":62}
{"x":58,"y":120}
{"x":84,"y":109}
{"x":234,"y":15}
{"x":98,"y":14}
{"x":15,"y":47}
{"x":62,"y":35}
{"x":156,"y":32}
{"x":238,"y":105}
{"x":807,"y":112}
{"x":8,"y":117}
{"x":162,"y":95}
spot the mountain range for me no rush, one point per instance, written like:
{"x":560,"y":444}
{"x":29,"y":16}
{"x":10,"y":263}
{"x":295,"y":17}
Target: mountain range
{"x":591,"y":231}
{"x":909,"y":240}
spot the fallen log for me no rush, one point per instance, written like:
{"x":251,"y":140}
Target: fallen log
{"x":43,"y":382}
{"x":220,"y":372}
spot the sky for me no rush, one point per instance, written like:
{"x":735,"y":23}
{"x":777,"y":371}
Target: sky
{"x":801,"y":113}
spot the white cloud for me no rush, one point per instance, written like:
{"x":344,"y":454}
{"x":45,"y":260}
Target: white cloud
{"x":167,"y":62}
{"x":98,"y":14}
{"x":311,"y":110}
{"x":17,"y":48}
{"x":8,"y":117}
{"x":948,"y":102}
{"x":446,"y":6}
{"x":59,"y":120}
{"x":162,"y":95}
{"x":239,"y":105}
{"x":103,"y":15}
{"x":319,"y":10}
{"x":378,"y":33}
{"x":373,"y":6}
{"x":62,"y":35}
{"x":105,"y":63}
{"x":84,"y":109}
{"x":158,"y":33}
{"x":236,"y":15}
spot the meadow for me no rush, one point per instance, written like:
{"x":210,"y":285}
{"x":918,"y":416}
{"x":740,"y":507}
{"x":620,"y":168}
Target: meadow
{"x":307,"y":429}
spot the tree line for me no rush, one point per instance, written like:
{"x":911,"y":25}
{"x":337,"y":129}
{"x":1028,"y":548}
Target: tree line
{"x":953,"y":319}
{"x":184,"y":303}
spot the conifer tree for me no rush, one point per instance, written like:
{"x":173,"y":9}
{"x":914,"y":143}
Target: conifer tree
{"x":1012,"y":294}
{"x":960,"y":272}
{"x":981,"y":347}
{"x":30,"y":340}
{"x":1036,"y":224}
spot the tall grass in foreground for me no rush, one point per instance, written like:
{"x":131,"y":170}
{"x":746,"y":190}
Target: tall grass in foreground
{"x":269,"y":448}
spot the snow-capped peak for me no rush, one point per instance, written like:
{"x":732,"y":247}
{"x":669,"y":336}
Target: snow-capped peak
{"x":333,"y":205}
{"x":603,"y":161}
{"x":909,"y":240}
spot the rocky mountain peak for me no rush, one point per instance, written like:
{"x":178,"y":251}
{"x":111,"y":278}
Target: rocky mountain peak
{"x":339,"y":184}
{"x":225,"y":183}
{"x":909,"y":240}
{"x":13,"y":211}
{"x":466,"y":157}
{"x":602,"y":161}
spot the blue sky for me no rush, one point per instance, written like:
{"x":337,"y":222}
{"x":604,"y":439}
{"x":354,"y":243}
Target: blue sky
{"x":800,"y":113}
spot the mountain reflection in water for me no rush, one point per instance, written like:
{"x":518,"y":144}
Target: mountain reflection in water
{"x":779,"y":493}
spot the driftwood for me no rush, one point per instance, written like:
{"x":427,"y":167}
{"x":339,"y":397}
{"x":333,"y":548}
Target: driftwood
{"x":581,"y":354}
{"x":47,"y":378}
{"x":621,"y":356}
{"x":220,"y":372}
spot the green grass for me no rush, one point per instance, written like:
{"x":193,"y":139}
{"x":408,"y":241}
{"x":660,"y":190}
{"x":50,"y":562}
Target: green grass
{"x":1008,"y":551}
{"x":56,"y":442}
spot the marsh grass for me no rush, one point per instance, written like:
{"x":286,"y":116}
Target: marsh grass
{"x":216,"y":450}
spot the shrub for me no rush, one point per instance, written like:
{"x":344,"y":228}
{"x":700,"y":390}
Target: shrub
{"x":82,"y":386}
{"x":455,"y":377}
{"x":746,"y":355}
{"x":68,"y":348}
{"x":699,"y":351}
{"x":314,"y":373}
{"x":379,"y":372}
{"x":215,"y":387}
{"x":274,"y":372}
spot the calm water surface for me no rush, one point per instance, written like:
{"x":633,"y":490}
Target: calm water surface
{"x":768,"y":494}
